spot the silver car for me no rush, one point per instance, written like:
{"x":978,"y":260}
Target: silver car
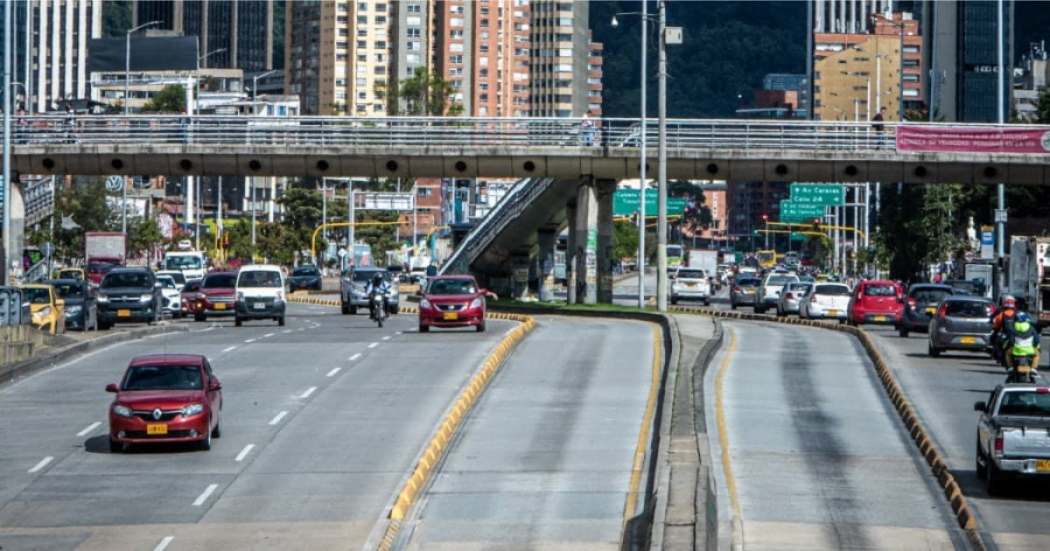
{"x":769,"y":292}
{"x":961,"y":323}
{"x":352,"y":290}
{"x":791,"y":298}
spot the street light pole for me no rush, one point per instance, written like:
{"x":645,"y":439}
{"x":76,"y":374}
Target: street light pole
{"x":8,"y":47}
{"x":255,"y":86}
{"x":661,"y":197}
{"x":127,"y":64}
{"x":1000,"y":224}
{"x":324,"y":216}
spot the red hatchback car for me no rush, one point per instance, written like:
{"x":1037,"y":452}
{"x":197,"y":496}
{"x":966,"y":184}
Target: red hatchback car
{"x":216,"y":296}
{"x":166,"y":398}
{"x":876,"y":301}
{"x":452,"y":301}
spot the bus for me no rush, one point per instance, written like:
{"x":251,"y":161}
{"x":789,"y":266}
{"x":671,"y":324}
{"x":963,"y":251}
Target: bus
{"x":674,"y":255}
{"x":767,"y":259}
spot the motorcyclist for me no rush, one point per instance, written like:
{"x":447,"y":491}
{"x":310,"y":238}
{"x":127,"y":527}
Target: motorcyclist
{"x":1001,"y":324}
{"x":376,"y":285}
{"x":1023,"y":340}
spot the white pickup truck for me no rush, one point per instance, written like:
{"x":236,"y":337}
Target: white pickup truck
{"x":690,"y":284}
{"x":1013,"y":434}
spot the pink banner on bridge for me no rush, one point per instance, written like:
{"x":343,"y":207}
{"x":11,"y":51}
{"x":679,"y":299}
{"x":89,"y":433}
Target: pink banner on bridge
{"x":973,"y":139}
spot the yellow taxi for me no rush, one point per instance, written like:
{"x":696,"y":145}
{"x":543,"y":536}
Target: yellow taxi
{"x":47,"y":309}
{"x":72,"y":273}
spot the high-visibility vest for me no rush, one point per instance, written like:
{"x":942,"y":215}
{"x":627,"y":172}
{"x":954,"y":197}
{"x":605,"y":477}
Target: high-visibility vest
{"x":1023,"y":339}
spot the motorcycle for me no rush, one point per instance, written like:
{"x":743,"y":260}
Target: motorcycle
{"x":378,"y":310}
{"x":1022,"y":372}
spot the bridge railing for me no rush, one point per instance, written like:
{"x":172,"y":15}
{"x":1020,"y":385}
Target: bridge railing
{"x":310,"y":132}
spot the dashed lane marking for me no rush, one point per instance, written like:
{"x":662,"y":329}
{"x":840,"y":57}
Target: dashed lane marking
{"x":268,"y":335}
{"x":229,"y":348}
{"x":333,"y":372}
{"x":278,"y":417}
{"x":204,"y":497}
{"x":386,"y":338}
{"x":308,"y":392}
{"x":244,"y":453}
{"x":163,"y":543}
{"x":354,"y":357}
{"x":43,"y":463}
{"x":250,"y":340}
{"x":90,"y":428}
{"x":373,"y":345}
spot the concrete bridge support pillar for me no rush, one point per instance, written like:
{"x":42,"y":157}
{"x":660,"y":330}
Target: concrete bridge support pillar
{"x":606,"y":262}
{"x":548,"y":240}
{"x":586,"y":280}
{"x":570,"y":255}
{"x":519,"y":279}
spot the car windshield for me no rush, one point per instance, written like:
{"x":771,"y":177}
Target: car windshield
{"x":930,"y":295}
{"x":691,"y":274}
{"x":71,"y":274}
{"x":452,"y":287}
{"x":780,"y":280}
{"x":799,"y":287}
{"x":747,"y":283}
{"x":125,"y":279}
{"x":183,"y":262}
{"x":163,"y":377}
{"x":192,"y":287}
{"x":305,"y":271}
{"x":38,"y":295}
{"x":167,"y":282}
{"x":834,"y":290}
{"x":968,"y":309}
{"x":259,"y":278}
{"x":964,"y":287}
{"x":364,"y":276}
{"x":1027,"y":403}
{"x":177,"y":276}
{"x":69,"y":290}
{"x":880,"y":290}
{"x":216,"y":281}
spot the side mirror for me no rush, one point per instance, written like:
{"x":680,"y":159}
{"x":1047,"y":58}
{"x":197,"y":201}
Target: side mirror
{"x":60,"y":302}
{"x":214,"y":385}
{"x":980,"y":406}
{"x":900,"y":300}
{"x":111,"y":387}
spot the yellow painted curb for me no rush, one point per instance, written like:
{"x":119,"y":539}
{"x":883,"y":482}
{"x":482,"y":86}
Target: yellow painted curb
{"x":436,"y":448}
{"x":956,"y":500}
{"x":643,"y":433}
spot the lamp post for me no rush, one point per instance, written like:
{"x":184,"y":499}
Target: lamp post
{"x":255,"y":86}
{"x":7,"y":69}
{"x":900,"y":68}
{"x":197,"y":78}
{"x":661,"y":166}
{"x":1000,"y":221}
{"x":127,"y":63}
{"x":765,"y":222}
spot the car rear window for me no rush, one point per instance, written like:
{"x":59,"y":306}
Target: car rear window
{"x":748,"y":282}
{"x":219,"y":281}
{"x":968,"y":309}
{"x":837,"y":290}
{"x":780,"y":280}
{"x":880,"y":290}
{"x":69,"y":290}
{"x":930,"y":295}
{"x":452,"y":287}
{"x":259,"y":278}
{"x":691,"y":274}
{"x":1025,"y":403}
{"x":164,"y":377}
{"x":305,"y":271}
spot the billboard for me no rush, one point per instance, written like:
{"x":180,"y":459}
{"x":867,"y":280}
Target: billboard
{"x":148,"y":53}
{"x":973,"y":139}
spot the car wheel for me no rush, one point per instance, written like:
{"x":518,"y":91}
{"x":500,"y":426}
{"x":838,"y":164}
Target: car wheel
{"x":992,"y":481}
{"x":114,"y":446}
{"x":217,"y":431}
{"x":980,"y":468}
{"x":238,"y":321}
{"x":104,"y":325}
{"x":933,"y":351}
{"x":353,"y":310}
{"x":424,"y":328}
{"x":481,"y":327}
{"x":732,"y":306}
{"x":707,"y":303}
{"x":903,"y":331}
{"x":395,"y":309}
{"x":674,"y":300}
{"x":345,"y":308}
{"x":280,"y":321}
{"x":200,"y":317}
{"x":205,"y":443}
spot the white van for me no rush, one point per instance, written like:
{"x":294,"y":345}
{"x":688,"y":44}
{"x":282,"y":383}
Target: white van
{"x":260,"y":293}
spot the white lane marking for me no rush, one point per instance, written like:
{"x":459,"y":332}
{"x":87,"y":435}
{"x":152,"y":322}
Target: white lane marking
{"x":90,"y":428}
{"x":43,"y":463}
{"x":244,"y":453}
{"x":250,"y":340}
{"x":308,"y":392}
{"x":373,"y":345}
{"x":386,"y":338}
{"x":204,"y":497}
{"x":286,"y":331}
{"x":268,"y":335}
{"x":229,"y":348}
{"x":301,"y":329}
{"x":163,"y":543}
{"x":354,"y":357}
{"x":278,"y":418}
{"x":397,"y":333}
{"x":333,"y":372}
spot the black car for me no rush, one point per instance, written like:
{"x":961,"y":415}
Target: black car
{"x":129,"y":295}
{"x":920,"y":305}
{"x":966,"y":287}
{"x":397,"y":273}
{"x":81,"y":307}
{"x":305,"y":277}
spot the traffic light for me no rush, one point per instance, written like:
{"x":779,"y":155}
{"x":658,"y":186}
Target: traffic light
{"x":816,"y":224}
{"x":634,"y":218}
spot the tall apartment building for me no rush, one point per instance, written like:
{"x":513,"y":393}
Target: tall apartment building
{"x":560,"y":60}
{"x":244,"y":28}
{"x":50,"y":63}
{"x":848,"y":16}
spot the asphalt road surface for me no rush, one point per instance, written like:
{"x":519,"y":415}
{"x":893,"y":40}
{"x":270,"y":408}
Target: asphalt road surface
{"x":819,"y":458}
{"x":545,"y":459}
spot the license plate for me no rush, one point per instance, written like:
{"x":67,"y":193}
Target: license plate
{"x":690,"y":285}
{"x":220,"y":306}
{"x":931,"y":311}
{"x":259,"y":305}
{"x":156,"y":429}
{"x":879,"y":318}
{"x":749,"y":292}
{"x":833,"y":312}
{"x":124,"y":313}
{"x":1042,"y":465}
{"x":450,"y":316}
{"x":968,"y":340}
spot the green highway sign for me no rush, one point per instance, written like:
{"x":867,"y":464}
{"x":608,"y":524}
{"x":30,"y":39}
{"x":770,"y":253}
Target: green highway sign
{"x":791,"y":211}
{"x":818,"y":194}
{"x":625,"y":203}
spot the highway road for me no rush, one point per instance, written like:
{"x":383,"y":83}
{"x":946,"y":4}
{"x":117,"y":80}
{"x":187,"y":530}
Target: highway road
{"x":545,"y":460}
{"x":322,"y":421}
{"x":816,"y":454}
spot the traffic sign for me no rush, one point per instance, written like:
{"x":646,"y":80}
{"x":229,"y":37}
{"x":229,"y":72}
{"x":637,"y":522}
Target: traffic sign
{"x":625,"y":203}
{"x":1000,"y":215}
{"x":818,"y":194}
{"x":791,"y":211}
{"x":968,"y":255}
{"x":115,"y":183}
{"x":47,"y":248}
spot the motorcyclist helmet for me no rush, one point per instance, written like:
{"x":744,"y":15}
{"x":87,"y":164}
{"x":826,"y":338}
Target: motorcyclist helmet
{"x":377,"y":280}
{"x":1009,"y":301}
{"x":1022,"y":317}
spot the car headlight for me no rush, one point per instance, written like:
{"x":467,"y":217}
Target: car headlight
{"x":123,"y":411}
{"x":201,"y":296}
{"x":45,"y":311}
{"x":146,"y":298}
{"x":73,"y":309}
{"x":476,"y":303}
{"x":103,"y":299}
{"x":279,"y":297}
{"x":192,"y":409}
{"x":424,"y":304}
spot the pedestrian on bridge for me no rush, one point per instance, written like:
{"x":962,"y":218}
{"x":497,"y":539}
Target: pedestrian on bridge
{"x":587,"y":125}
{"x":880,"y":128}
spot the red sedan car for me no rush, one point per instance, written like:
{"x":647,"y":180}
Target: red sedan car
{"x":166,"y":398}
{"x":876,"y":301}
{"x":189,"y":296}
{"x":452,"y":301}
{"x":216,"y":296}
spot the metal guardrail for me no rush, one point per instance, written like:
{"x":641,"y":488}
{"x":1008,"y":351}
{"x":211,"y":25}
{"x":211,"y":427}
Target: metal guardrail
{"x":450,"y":132}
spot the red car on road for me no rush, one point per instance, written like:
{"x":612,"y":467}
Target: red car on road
{"x":165,"y":398}
{"x":876,"y":301}
{"x":216,"y":296}
{"x":452,"y":301}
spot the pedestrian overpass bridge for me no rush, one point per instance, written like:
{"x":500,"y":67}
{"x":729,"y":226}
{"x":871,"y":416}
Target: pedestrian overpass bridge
{"x":566,"y":178}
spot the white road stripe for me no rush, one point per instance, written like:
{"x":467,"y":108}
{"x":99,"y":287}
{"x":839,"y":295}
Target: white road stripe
{"x":229,"y":348}
{"x":244,"y":453}
{"x":204,"y":497}
{"x":163,"y":543}
{"x":373,"y":345}
{"x":354,"y":357}
{"x":90,"y":428}
{"x":397,"y":333}
{"x":333,"y":372}
{"x":386,"y":338}
{"x":278,"y":418}
{"x":43,"y":463}
{"x":308,"y":392}
{"x":268,"y":335}
{"x":286,"y":331}
{"x":250,"y":340}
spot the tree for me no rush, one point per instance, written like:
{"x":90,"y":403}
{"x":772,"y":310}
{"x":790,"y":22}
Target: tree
{"x":423,"y":94}
{"x":697,"y":216}
{"x":143,"y":234}
{"x":1042,"y":108}
{"x":625,"y":239}
{"x":170,"y":99}
{"x":302,"y":215}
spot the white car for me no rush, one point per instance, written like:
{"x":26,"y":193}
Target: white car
{"x":825,"y":301}
{"x":768,"y":293}
{"x":690,"y":284}
{"x":179,"y":277}
{"x":172,"y":293}
{"x":260,"y":293}
{"x":791,"y":298}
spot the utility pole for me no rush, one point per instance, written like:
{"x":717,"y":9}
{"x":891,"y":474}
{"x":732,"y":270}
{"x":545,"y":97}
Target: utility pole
{"x":9,"y":42}
{"x":1000,"y":222}
{"x":661,"y":200}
